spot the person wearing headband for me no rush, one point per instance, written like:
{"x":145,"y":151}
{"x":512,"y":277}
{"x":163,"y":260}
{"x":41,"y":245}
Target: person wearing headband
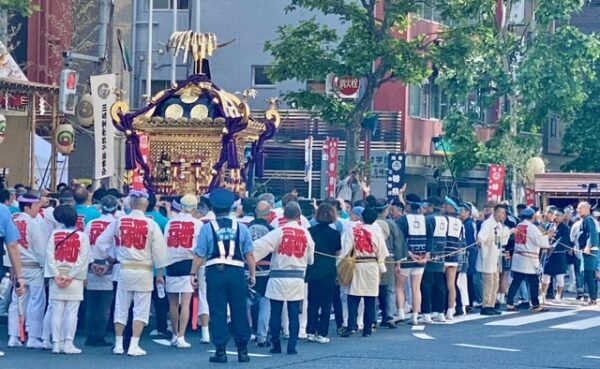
{"x":391,"y":305}
{"x":529,"y":241}
{"x":455,"y":254}
{"x":416,"y":233}
{"x":588,"y":244}
{"x":181,"y":234}
{"x":67,"y":261}
{"x":139,"y":246}
{"x":556,"y":266}
{"x":33,"y":242}
{"x":99,"y":289}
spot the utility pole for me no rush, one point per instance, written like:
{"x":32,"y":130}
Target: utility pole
{"x":149,"y":51}
{"x":173,"y":58}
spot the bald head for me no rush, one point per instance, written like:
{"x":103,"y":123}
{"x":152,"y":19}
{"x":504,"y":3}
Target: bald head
{"x":268,"y":197}
{"x":583,"y":209}
{"x":263,"y":210}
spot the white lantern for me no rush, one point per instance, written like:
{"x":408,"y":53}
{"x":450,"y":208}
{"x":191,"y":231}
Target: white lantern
{"x":534,"y":166}
{"x":65,"y":139}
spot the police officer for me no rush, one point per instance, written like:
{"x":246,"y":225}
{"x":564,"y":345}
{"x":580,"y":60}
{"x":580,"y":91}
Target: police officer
{"x":225,"y":246}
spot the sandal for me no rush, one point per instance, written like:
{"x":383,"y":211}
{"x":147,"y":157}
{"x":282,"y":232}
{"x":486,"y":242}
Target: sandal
{"x":511,"y":308}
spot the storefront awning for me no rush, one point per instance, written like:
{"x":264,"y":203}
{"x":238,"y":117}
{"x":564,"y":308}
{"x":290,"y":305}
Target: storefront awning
{"x":566,"y":183}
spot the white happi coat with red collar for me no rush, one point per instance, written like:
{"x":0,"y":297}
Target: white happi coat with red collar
{"x":32,"y":246}
{"x":370,"y":251}
{"x":139,"y":246}
{"x":68,"y":255}
{"x":292,"y":250}
{"x":181,"y":234}
{"x":94,"y":230}
{"x":529,"y":240}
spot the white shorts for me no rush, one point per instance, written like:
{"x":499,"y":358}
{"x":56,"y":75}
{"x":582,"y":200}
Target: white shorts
{"x":179,"y":285}
{"x":202,"y":301}
{"x":406,"y":272}
{"x":446,"y":265}
{"x":560,"y":279}
{"x":141,"y":306}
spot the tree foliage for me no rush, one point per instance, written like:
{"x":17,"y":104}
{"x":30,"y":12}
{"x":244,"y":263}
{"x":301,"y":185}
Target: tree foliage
{"x":23,"y":7}
{"x":368,"y":48}
{"x":527,"y":72}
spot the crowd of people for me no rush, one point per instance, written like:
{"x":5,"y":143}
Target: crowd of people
{"x":266,"y":270}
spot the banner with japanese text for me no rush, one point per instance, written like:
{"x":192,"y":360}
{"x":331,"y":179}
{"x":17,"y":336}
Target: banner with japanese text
{"x":103,"y":98}
{"x":396,"y":163}
{"x":496,"y":176}
{"x":330,"y":153}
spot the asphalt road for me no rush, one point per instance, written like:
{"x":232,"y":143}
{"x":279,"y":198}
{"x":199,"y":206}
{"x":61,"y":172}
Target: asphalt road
{"x":564,"y":337}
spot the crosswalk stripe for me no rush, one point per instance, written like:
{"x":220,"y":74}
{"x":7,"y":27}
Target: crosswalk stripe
{"x":471,"y":317}
{"x":580,"y":324}
{"x":528,"y":319}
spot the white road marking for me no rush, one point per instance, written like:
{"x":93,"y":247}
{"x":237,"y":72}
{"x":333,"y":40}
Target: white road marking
{"x":580,"y":324}
{"x":423,"y":336}
{"x":475,"y":316}
{"x":162,"y":342}
{"x":592,"y":357}
{"x":487,"y":347}
{"x":533,"y":318}
{"x":235,"y":353}
{"x":418,"y":328}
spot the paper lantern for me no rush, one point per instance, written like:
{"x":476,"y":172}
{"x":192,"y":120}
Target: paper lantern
{"x":85,"y":111}
{"x":65,"y":139}
{"x":534,"y":166}
{"x":2,"y":127}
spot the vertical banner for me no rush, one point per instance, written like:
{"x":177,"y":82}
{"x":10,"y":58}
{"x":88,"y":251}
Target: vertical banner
{"x":497,"y":173}
{"x":137,"y":182}
{"x":530,"y":196}
{"x":103,"y":99}
{"x":396,"y":165}
{"x":308,"y":159}
{"x":331,"y":150}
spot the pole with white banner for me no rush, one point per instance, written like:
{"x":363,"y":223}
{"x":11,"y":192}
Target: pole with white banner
{"x":103,"y":98}
{"x":308,"y":158}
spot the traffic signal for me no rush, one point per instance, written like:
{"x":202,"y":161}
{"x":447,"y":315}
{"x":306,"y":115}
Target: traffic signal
{"x":68,"y":91}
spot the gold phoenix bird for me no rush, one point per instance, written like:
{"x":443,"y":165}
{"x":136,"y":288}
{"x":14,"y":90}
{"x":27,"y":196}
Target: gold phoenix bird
{"x":199,"y":45}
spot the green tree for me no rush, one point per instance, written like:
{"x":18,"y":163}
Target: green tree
{"x":528,"y":72}
{"x":582,"y":136}
{"x":369,"y":48}
{"x":23,"y":7}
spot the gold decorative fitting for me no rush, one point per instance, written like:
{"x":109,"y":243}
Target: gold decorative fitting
{"x":174,"y":111}
{"x":118,"y":107}
{"x":199,"y":112}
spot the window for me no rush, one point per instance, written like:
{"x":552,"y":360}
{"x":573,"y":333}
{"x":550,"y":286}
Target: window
{"x":428,"y":11}
{"x":260,"y":77}
{"x":168,"y":4}
{"x":427,"y":101}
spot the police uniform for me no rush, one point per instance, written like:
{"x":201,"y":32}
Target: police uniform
{"x":223,"y":244}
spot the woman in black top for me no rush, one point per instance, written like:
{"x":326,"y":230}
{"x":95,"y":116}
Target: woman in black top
{"x":321,"y":275}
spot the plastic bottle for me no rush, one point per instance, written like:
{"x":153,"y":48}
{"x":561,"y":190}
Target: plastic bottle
{"x":160,"y":289}
{"x":5,"y":286}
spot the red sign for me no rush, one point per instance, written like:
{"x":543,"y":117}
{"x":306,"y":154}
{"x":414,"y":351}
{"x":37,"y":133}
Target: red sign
{"x":530,"y":196}
{"x":14,"y":102}
{"x":497,"y":174}
{"x":330,"y":149}
{"x":138,"y":177}
{"x":347,"y":86}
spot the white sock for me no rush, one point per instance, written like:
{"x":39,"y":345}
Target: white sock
{"x":119,"y":341}
{"x":205,"y":333}
{"x":135,"y":342}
